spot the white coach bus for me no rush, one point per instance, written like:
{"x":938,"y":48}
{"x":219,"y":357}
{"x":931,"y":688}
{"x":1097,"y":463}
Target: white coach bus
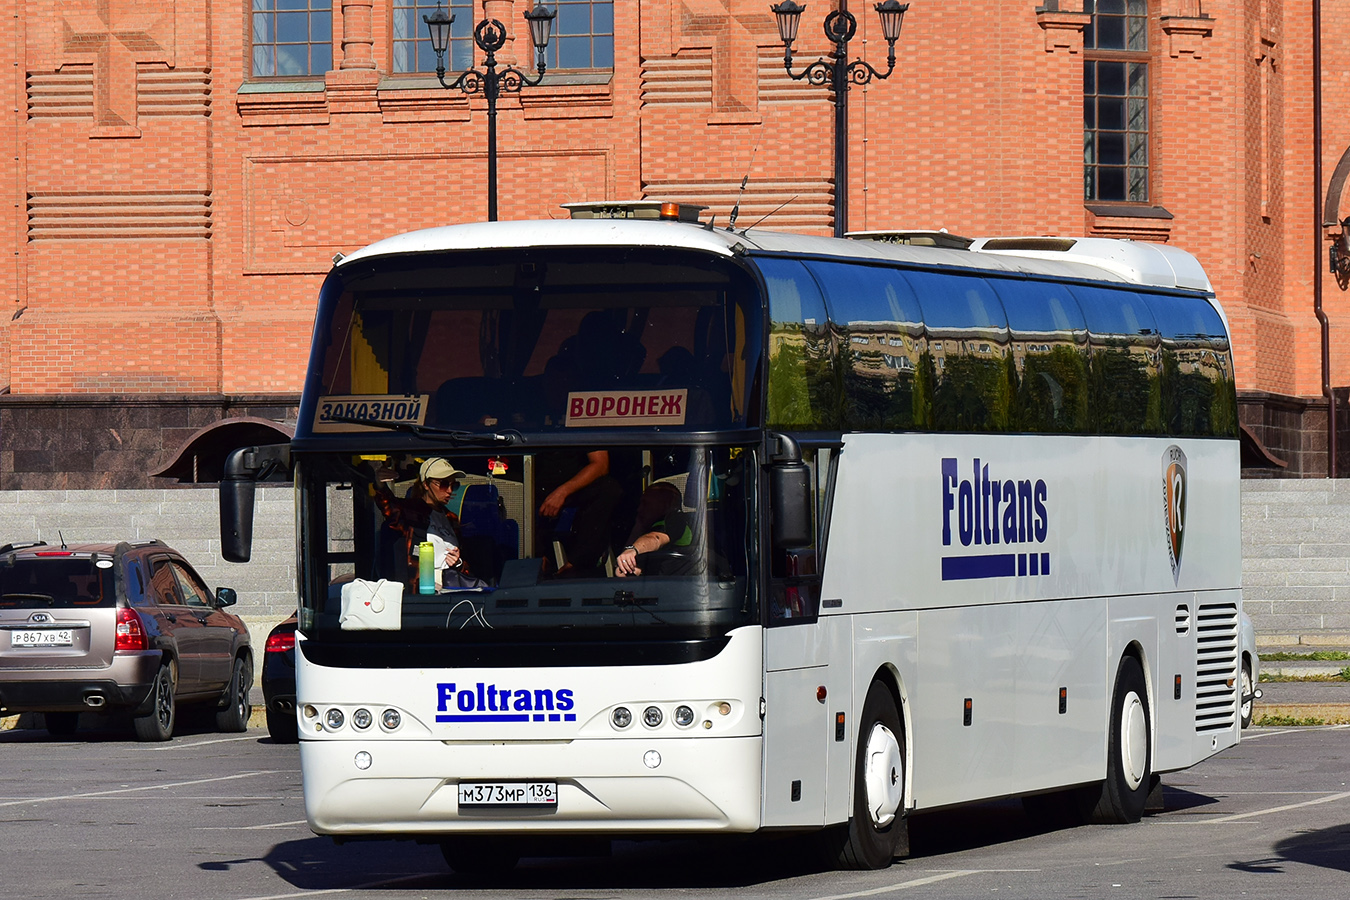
{"x":753,"y":531}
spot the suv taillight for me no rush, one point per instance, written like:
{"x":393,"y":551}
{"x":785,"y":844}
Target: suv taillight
{"x":280,"y":642}
{"x":130,"y":631}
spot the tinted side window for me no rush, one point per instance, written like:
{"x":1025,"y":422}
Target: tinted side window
{"x":877,"y":325}
{"x":967,"y":333}
{"x":1049,"y":347}
{"x":194,"y":592}
{"x":1123,"y":388}
{"x":135,"y":582}
{"x":163,"y":585}
{"x":804,"y":391}
{"x":1197,"y":394}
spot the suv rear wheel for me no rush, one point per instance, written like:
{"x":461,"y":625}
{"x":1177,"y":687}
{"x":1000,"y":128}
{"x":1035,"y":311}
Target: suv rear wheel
{"x":157,"y":724}
{"x":234,"y":715}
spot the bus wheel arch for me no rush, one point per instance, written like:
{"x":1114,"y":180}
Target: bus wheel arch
{"x":889,"y":676}
{"x":877,"y":830}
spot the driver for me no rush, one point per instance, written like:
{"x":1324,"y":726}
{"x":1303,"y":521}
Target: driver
{"x":660,"y":522}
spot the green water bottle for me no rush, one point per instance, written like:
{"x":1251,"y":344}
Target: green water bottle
{"x":426,"y":568}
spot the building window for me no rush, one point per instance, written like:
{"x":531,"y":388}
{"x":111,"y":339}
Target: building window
{"x":1115,"y":101}
{"x":583,"y":35}
{"x":412,"y":40}
{"x":292,"y":37}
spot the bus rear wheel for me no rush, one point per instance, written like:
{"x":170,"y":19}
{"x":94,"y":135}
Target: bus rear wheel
{"x":877,"y":832}
{"x":480,"y":855}
{"x":1129,"y":761}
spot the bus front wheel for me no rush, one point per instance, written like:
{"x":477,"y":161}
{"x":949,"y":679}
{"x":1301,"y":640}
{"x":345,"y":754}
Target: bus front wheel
{"x":1129,"y":761}
{"x":877,"y":832}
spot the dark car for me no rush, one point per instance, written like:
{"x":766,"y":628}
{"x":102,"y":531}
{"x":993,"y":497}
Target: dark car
{"x":278,"y":682}
{"x":118,"y":628}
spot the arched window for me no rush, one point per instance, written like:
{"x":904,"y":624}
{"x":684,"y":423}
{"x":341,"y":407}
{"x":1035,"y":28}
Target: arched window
{"x":1115,"y":102}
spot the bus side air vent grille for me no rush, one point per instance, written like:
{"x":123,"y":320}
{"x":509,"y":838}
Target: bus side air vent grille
{"x":1216,"y":666}
{"x":1183,"y":619}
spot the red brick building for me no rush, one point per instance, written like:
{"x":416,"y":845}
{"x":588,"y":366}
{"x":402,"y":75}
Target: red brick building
{"x":182,"y":172}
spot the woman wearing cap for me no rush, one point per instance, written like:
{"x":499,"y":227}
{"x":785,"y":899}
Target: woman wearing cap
{"x":423,"y":512}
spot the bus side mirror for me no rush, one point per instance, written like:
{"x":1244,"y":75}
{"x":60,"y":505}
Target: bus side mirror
{"x":790,"y":497}
{"x":244,"y":468}
{"x":236,"y":518}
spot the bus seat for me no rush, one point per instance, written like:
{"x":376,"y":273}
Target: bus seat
{"x":487,"y":532}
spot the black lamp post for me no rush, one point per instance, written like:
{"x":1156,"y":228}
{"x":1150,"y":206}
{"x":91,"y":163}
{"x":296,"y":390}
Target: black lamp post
{"x":490,"y":36}
{"x":839,"y":73}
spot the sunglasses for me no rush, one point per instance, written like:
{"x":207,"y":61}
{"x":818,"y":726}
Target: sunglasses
{"x":444,"y":484}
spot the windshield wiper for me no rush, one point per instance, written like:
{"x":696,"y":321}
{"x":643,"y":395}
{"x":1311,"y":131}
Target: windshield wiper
{"x":458,"y":438}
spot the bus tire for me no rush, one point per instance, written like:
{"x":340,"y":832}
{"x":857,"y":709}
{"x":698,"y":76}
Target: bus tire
{"x":1129,"y":759}
{"x":878,"y":831}
{"x":480,"y":855}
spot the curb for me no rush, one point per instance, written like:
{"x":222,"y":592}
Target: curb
{"x":1293,"y":669}
{"x":1328,"y":713}
{"x":257,"y":719}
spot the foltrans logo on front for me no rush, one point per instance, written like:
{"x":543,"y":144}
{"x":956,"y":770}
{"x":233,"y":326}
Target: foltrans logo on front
{"x":988,"y":511}
{"x":488,"y":703}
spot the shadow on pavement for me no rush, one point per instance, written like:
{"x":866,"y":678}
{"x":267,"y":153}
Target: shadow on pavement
{"x":1327,"y":848}
{"x":720,"y":863}
{"x":320,"y":864}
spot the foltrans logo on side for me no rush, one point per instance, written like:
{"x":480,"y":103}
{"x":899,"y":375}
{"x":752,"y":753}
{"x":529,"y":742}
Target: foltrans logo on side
{"x":482,"y":702}
{"x":988,"y":510}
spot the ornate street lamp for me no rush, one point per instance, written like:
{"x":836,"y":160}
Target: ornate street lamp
{"x":490,"y":36}
{"x":839,"y":74}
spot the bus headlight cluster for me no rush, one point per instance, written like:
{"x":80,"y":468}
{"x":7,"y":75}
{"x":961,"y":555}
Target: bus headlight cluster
{"x":334,"y":718}
{"x":653,"y":716}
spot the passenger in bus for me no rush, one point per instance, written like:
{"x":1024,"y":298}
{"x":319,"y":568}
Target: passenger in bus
{"x":577,"y":496}
{"x":422,"y":513}
{"x":661,"y":522}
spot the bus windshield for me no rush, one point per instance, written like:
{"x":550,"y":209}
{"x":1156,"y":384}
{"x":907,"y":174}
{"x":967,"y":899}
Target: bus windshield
{"x":656,"y":544}
{"x":537,"y":340}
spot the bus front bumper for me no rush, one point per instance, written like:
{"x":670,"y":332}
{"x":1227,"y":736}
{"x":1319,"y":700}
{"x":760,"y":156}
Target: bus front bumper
{"x":609,"y":786}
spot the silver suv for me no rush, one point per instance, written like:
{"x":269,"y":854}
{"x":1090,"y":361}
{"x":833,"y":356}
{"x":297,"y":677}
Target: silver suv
{"x":128,"y":628}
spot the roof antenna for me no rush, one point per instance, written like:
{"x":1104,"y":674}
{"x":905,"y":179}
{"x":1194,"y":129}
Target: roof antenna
{"x":736,"y":209}
{"x":62,"y":537}
{"x":771,"y":212}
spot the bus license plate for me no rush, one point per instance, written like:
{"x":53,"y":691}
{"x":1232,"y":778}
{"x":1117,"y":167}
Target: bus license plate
{"x":514,"y":793}
{"x":41,"y":637}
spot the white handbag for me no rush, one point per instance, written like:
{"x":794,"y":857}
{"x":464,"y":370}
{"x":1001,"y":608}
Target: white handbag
{"x":371,"y":605}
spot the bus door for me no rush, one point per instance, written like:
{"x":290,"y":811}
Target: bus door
{"x":801,"y":689}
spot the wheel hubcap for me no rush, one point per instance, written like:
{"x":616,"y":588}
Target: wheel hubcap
{"x":1246,"y":698}
{"x":883,"y":775}
{"x":1133,"y":741}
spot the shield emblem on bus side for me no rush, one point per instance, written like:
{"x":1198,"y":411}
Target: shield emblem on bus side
{"x":1174,"y":505}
